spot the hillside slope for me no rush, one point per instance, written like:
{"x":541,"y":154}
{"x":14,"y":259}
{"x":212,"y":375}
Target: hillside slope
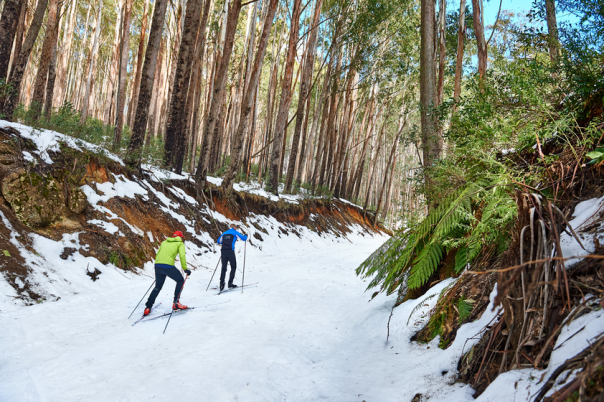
{"x":76,"y":219}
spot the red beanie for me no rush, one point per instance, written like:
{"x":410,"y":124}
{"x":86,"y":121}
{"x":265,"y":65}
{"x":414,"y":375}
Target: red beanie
{"x":179,"y":234}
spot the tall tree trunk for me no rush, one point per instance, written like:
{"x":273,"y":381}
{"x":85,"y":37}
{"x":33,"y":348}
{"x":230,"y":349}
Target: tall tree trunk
{"x":8,"y":29}
{"x":92,"y":64}
{"x":431,"y":142}
{"x":148,"y":74}
{"x":331,"y":128}
{"x":167,"y":100}
{"x":304,"y":147}
{"x":115,"y":61}
{"x":77,"y":83}
{"x":18,"y":39}
{"x":123,"y":76}
{"x":373,"y":163}
{"x":315,"y":148}
{"x":63,"y":64}
{"x":304,"y":91}
{"x":193,"y":102}
{"x":136,"y":83}
{"x":461,"y":34}
{"x":211,"y":127}
{"x":174,"y":147}
{"x":552,"y":29}
{"x":281,"y":127}
{"x":322,"y":136}
{"x":248,"y":100}
{"x":37,"y":100}
{"x":478,"y":14}
{"x":390,"y":165}
{"x":16,"y":75}
{"x":441,"y":51}
{"x":52,"y":75}
{"x":247,"y":161}
{"x":340,"y":158}
{"x":157,"y":80}
{"x":356,"y":187}
{"x":270,"y":106}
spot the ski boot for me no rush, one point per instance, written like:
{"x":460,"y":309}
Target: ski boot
{"x":178,"y":306}
{"x":232,"y":286}
{"x":146,"y":312}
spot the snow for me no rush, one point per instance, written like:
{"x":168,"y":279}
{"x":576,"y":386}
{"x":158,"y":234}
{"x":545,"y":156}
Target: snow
{"x":181,"y":194}
{"x":49,"y":141}
{"x":585,"y":213}
{"x":107,"y":226}
{"x":121,"y":188}
{"x":307,"y":332}
{"x":217,"y":181}
{"x":507,"y":151}
{"x":523,"y":384}
{"x":28,"y":157}
{"x":347,"y":202}
{"x":159,"y":175}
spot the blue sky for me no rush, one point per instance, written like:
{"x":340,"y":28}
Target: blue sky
{"x":520,"y":6}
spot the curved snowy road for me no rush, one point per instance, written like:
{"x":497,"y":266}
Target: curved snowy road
{"x":306,"y":333}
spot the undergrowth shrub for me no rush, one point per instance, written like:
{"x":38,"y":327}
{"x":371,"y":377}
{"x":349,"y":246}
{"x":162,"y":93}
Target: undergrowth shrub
{"x":66,"y":120}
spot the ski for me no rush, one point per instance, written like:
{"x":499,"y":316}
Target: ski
{"x":167,"y":314}
{"x":143,"y":317}
{"x":177,"y":311}
{"x":237,"y":288}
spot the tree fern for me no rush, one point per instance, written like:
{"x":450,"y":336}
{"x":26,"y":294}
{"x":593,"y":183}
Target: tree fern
{"x":418,"y":252}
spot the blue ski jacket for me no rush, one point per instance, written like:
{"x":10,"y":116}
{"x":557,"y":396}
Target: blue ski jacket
{"x":229,"y":238}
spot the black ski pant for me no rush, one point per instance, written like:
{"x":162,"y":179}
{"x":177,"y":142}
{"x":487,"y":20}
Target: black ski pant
{"x":228,"y":256}
{"x":161,"y":271}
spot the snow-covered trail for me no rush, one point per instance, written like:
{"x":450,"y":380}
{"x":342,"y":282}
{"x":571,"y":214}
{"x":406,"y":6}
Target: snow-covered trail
{"x":294,"y":337}
{"x":306,"y":333}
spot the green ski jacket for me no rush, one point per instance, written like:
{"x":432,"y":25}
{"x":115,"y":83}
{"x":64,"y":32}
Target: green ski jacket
{"x":168,"y":250}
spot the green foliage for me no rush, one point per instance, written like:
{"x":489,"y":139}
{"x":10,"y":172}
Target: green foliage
{"x":222,"y":169}
{"x":453,"y":225}
{"x":323,"y":192}
{"x":66,"y":120}
{"x":596,"y":156}
{"x":465,"y":308}
{"x":5,"y":90}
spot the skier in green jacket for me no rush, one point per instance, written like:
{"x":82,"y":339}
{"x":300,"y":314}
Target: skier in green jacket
{"x":164,"y":266}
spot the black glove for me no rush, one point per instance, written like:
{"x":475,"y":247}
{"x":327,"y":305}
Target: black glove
{"x":188,"y":272}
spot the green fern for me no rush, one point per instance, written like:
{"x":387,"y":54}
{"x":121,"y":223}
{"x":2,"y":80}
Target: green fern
{"x":465,"y":309}
{"x":412,"y":256}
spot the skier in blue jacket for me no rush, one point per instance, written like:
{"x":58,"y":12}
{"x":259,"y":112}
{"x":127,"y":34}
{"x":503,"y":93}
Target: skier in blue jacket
{"x":228,"y":240}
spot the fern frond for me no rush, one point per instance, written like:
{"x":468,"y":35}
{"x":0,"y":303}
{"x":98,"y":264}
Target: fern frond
{"x":425,"y":264}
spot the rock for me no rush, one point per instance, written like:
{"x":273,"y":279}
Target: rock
{"x":94,"y":275}
{"x":67,"y":252}
{"x":76,"y":200}
{"x":37,"y":200}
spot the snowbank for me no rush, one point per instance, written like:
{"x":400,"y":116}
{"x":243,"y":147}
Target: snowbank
{"x":585,"y":215}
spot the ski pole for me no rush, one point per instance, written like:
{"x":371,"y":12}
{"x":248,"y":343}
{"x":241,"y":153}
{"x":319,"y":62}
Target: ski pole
{"x":177,"y":300}
{"x":141,"y":299}
{"x":214,"y":273}
{"x":243,"y":276}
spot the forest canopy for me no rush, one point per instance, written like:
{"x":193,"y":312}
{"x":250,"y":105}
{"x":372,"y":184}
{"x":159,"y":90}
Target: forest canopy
{"x":398,"y":106}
